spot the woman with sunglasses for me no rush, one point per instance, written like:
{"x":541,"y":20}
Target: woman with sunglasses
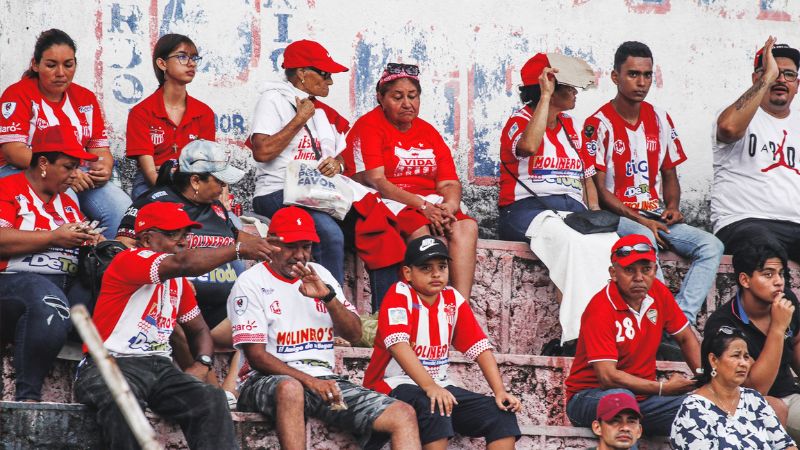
{"x":544,"y":168}
{"x":291,"y":123}
{"x":406,"y":160}
{"x":46,"y":97}
{"x":163,"y":123}
{"x":721,"y":414}
{"x":196,"y":181}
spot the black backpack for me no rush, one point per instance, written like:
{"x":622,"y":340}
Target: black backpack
{"x":93,"y":260}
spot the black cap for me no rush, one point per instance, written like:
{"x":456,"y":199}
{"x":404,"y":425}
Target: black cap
{"x":424,"y":248}
{"x":778,"y":51}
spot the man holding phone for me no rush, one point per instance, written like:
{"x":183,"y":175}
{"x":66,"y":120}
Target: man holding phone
{"x":637,"y":151}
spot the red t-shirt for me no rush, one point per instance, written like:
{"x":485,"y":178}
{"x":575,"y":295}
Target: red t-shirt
{"x":611,"y":331}
{"x":136,"y":311}
{"x":24,"y":111}
{"x":151,"y":132}
{"x":414,"y":160}
{"x":22,"y":209}
{"x":430,"y":330}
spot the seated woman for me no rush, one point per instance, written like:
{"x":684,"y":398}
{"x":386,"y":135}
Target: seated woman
{"x":46,"y":97}
{"x":290,"y":123}
{"x":203,"y":171}
{"x":163,"y":123}
{"x":406,"y":160}
{"x":544,"y":169}
{"x":41,"y":230}
{"x":721,"y":414}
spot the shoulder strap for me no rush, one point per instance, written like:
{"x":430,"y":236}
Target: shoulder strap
{"x":317,"y":153}
{"x":578,"y":155}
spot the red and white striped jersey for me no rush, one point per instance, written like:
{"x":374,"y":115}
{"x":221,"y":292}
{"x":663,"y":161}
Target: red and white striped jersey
{"x":24,"y":111}
{"x":633,"y":155}
{"x":136,"y":311}
{"x":22,"y":209}
{"x":557,"y":168}
{"x":267,"y":308}
{"x":430,"y":330}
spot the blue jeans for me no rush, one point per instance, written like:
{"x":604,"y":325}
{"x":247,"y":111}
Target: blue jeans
{"x":140,"y":186}
{"x":106,"y":204}
{"x":701,"y":247}
{"x":329,"y":252}
{"x":658,"y":412}
{"x":380,"y":280}
{"x":516,"y":218}
{"x":34,"y":312}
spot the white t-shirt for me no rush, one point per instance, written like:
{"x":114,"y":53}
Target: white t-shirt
{"x":757,"y":176}
{"x":267,"y":308}
{"x":275,"y":108}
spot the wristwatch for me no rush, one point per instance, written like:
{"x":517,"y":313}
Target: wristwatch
{"x":424,"y":206}
{"x":331,"y":294}
{"x":205,"y":360}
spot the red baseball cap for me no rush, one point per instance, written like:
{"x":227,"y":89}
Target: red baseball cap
{"x":62,"y":139}
{"x":165,"y":216}
{"x":633,"y":255}
{"x":612,"y":404}
{"x":293,"y":224}
{"x":305,"y":53}
{"x":533,"y":69}
{"x":778,"y":51}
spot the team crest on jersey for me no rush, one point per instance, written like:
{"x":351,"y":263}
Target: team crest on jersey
{"x":42,"y":124}
{"x":146,"y":253}
{"x":619,"y":147}
{"x":8,"y":109}
{"x":652,"y":144}
{"x":652,"y":315}
{"x":275,"y":307}
{"x":240,"y":305}
{"x":320,"y":305}
{"x":450,"y":312}
{"x":218,"y":210}
{"x":588,"y":131}
{"x":156,"y":135}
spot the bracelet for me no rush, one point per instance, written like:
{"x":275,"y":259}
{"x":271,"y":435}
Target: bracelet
{"x":238,"y":246}
{"x":660,"y":387}
{"x":341,"y":167}
{"x":424,"y":206}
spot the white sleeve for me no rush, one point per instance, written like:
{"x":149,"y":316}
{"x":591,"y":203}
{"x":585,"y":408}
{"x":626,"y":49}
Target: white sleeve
{"x":267,"y":117}
{"x":247,"y":314}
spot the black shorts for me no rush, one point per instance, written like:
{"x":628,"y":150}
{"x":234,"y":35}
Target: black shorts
{"x":475,"y":415}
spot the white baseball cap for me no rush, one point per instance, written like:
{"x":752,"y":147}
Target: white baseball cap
{"x":202,"y":156}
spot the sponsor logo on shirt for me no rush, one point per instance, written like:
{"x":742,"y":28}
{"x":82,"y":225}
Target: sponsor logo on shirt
{"x":86,"y":109}
{"x":398,"y":316}
{"x":249,"y":326}
{"x":156,"y":135}
{"x":591,"y":147}
{"x":218,"y":211}
{"x":41,"y":123}
{"x":305,"y":339}
{"x":646,"y":205}
{"x":436,"y":354}
{"x":632,"y":168}
{"x":15,"y":126}
{"x":157,"y":195}
{"x":194,"y":240}
{"x":556,"y":163}
{"x":61,"y":263}
{"x":8,"y":109}
{"x":415,"y":161}
{"x":633,"y":191}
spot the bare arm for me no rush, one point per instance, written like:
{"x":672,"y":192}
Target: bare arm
{"x":491,"y":372}
{"x":531,"y":138}
{"x":200,"y":342}
{"x":765,"y":368}
{"x":100,"y":171}
{"x":17,"y":154}
{"x":690,"y":347}
{"x":672,"y":196}
{"x":346,"y":323}
{"x":14,"y":242}
{"x":610,"y":377}
{"x":147,"y":166}
{"x":405,"y":356}
{"x":592,"y":201}
{"x":733,"y":121}
{"x":451,"y":191}
{"x":198,"y":261}
{"x":267,"y":147}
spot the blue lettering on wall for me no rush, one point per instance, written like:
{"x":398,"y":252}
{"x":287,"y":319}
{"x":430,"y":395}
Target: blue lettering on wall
{"x":134,"y":89}
{"x":117,"y":18}
{"x":283,"y":28}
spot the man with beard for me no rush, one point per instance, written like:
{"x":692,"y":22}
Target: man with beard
{"x":754,"y":146}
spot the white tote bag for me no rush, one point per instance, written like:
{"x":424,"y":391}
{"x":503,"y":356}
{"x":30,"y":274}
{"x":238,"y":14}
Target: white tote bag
{"x":305,"y":186}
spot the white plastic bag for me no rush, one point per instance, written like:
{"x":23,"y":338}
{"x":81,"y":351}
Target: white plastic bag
{"x":305,"y":186}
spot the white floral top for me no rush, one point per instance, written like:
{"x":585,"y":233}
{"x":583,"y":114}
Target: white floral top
{"x":700,"y":424}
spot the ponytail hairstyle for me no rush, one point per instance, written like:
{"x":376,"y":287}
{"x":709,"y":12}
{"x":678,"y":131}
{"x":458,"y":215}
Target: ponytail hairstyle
{"x":169,"y":174}
{"x":47,"y":39}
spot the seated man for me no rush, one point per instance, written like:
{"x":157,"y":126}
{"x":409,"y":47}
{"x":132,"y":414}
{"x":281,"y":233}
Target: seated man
{"x":284,"y":313}
{"x":142,"y":296}
{"x":770,"y":323}
{"x":420,"y":319}
{"x":620,"y":333}
{"x":617,"y":424}
{"x":754,"y":146}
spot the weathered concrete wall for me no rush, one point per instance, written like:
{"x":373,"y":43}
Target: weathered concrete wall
{"x":470,"y":53}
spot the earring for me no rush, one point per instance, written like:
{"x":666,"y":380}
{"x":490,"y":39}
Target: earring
{"x":713,"y":372}
{"x":195,"y":194}
{"x":44,"y":173}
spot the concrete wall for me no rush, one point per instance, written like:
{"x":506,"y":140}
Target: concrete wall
{"x":470,"y":53}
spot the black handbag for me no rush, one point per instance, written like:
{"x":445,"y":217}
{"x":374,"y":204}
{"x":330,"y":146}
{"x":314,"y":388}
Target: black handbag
{"x":93,"y":260}
{"x":584,"y":222}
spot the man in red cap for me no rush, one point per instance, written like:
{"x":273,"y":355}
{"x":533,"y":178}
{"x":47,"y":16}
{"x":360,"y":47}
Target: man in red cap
{"x":284,"y":314}
{"x":617,"y":424}
{"x":754,"y":153}
{"x":142,"y":296}
{"x":620,"y":333}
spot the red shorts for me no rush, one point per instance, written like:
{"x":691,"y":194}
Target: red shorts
{"x":411,"y":219}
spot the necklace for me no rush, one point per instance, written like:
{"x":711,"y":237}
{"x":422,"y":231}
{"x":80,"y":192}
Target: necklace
{"x":731,"y":411}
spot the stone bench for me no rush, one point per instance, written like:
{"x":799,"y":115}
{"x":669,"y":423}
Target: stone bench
{"x":71,"y":426}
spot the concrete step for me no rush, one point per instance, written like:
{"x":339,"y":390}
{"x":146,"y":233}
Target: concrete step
{"x":71,"y":426}
{"x":537,"y":380}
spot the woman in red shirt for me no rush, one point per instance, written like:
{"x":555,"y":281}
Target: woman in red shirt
{"x":163,"y":123}
{"x":403,"y":157}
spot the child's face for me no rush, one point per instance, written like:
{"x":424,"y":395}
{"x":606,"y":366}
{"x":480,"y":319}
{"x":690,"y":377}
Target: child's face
{"x":428,"y":278}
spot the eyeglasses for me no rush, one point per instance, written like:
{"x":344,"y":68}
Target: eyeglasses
{"x":408,"y":69}
{"x":788,"y":74}
{"x":628,"y":249}
{"x":172,"y":235}
{"x":322,"y":73}
{"x":184,"y":58}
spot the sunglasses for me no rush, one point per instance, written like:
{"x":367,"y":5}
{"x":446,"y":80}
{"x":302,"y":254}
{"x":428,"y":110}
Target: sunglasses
{"x":628,"y":249}
{"x":729,"y":330}
{"x":397,"y":68}
{"x":322,"y":73}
